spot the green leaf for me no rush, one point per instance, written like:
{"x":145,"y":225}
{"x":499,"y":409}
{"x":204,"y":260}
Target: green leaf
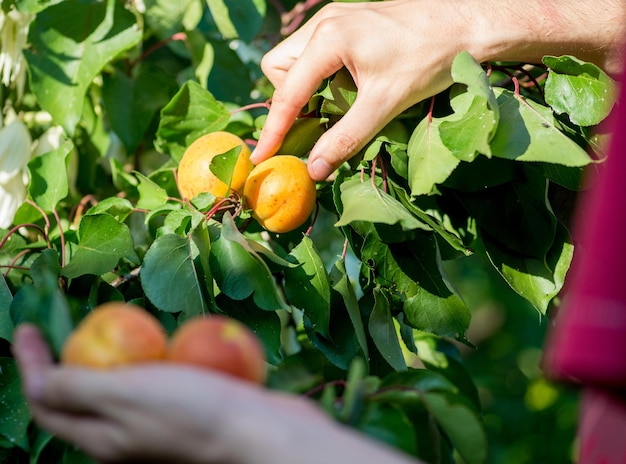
{"x":467,"y":135}
{"x":151,"y":195}
{"x":526,"y":132}
{"x":536,"y":280}
{"x":339,"y":95}
{"x":461,"y":423}
{"x":437,"y":225}
{"x":71,"y":42}
{"x":265,"y":324}
{"x":307,"y":286}
{"x":302,"y":136}
{"x":363,"y":201}
{"x":517,"y":215}
{"x":430,"y":161}
{"x":383,"y":332}
{"x":238,"y":18}
{"x":48,"y":174}
{"x":170,"y":278}
{"x":408,"y":386}
{"x":43,"y":303}
{"x":580,"y":89}
{"x":133,"y":100}
{"x":192,"y":112}
{"x":6,"y":298}
{"x":468,"y":131}
{"x":166,"y":18}
{"x":389,"y":425}
{"x":341,"y":283}
{"x":103,"y":241}
{"x":240,"y":274}
{"x":223,"y":165}
{"x":202,"y":55}
{"x":434,"y":353}
{"x":117,"y":207}
{"x":14,"y":408}
{"x":259,"y":251}
{"x":414,"y":271}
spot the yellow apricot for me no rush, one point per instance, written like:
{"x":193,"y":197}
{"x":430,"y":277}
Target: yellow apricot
{"x":194,"y":172}
{"x":280,"y":193}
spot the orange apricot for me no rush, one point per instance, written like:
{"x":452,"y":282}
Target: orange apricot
{"x":219,"y":343}
{"x":194,"y":172}
{"x":115,"y":334}
{"x":280,"y":193}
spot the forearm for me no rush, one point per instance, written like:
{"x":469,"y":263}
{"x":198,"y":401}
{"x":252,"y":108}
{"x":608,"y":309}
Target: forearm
{"x":592,"y":30}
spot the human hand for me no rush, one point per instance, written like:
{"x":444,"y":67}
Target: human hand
{"x":158,"y":412}
{"x":172,"y":413}
{"x":398,"y":53}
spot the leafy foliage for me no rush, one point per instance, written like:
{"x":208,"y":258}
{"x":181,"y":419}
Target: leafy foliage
{"x":376,"y":334}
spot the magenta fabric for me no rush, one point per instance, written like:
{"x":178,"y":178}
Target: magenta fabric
{"x":587,"y":343}
{"x":588,"y":340}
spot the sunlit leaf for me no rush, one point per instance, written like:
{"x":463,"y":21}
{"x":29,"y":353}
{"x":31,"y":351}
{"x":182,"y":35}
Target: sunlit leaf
{"x":170,"y":277}
{"x":430,"y":161}
{"x":192,"y":112}
{"x":307,"y":286}
{"x":580,"y":89}
{"x":102,"y":242}
{"x":526,"y":132}
{"x":363,"y":201}
{"x":48,"y":173}
{"x":71,"y":42}
{"x":238,"y":18}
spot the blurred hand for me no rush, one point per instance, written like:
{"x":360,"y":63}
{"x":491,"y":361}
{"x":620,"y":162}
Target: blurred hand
{"x":172,"y":413}
{"x":159,"y":412}
{"x":398,"y":53}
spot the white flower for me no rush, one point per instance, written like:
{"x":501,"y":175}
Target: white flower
{"x":13,"y":38}
{"x":15,"y":153}
{"x":12,"y":195}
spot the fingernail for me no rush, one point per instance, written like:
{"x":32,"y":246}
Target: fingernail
{"x":319,"y":169}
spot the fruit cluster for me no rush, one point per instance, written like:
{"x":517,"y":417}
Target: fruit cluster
{"x":279,"y":191}
{"x":116,"y":334}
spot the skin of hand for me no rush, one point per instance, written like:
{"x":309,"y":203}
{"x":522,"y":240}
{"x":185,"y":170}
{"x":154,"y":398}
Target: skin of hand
{"x":157,"y":413}
{"x":400,"y":52}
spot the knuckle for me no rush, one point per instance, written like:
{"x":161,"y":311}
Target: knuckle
{"x":346,"y":144}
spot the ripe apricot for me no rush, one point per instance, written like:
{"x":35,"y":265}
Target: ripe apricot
{"x":194,"y":172}
{"x":280,"y":193}
{"x":219,"y":343}
{"x":115,"y":334}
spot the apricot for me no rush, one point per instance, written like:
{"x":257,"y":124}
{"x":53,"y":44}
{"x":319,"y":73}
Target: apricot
{"x":280,"y":193}
{"x":219,"y":343}
{"x":194,"y":172}
{"x":115,"y":334}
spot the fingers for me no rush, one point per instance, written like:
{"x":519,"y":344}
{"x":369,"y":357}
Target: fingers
{"x":299,"y":84}
{"x":33,"y":358}
{"x":353,"y":131}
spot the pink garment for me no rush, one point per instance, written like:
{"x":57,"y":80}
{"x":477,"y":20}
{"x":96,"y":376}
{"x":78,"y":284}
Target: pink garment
{"x":587,"y":344}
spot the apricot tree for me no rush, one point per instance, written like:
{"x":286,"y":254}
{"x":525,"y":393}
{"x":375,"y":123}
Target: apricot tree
{"x":355,"y":307}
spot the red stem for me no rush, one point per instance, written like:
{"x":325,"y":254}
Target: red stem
{"x":16,"y":228}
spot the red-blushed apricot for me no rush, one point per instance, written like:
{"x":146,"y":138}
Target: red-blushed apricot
{"x":219,"y":343}
{"x":280,"y":193}
{"x":194,"y":172}
{"x":115,"y":334}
